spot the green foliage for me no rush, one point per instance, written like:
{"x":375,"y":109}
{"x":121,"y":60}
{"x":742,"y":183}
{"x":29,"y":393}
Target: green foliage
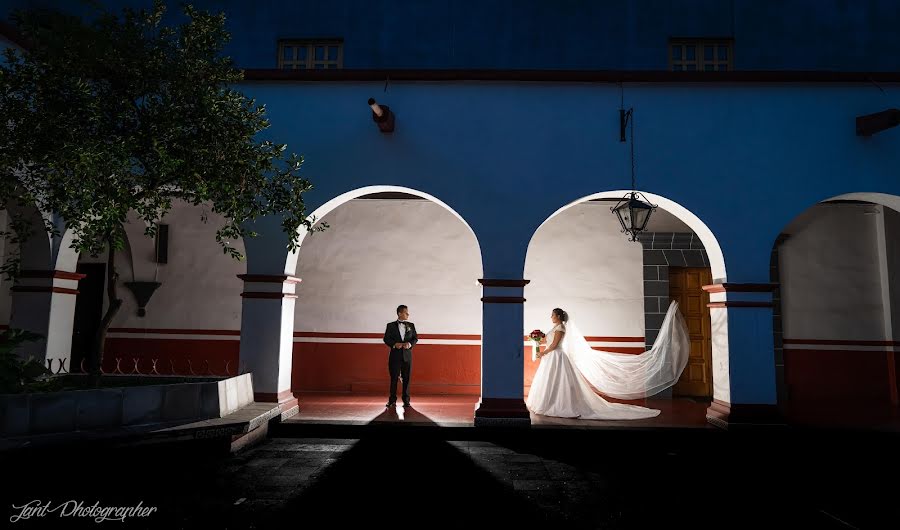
{"x":118,"y":112}
{"x":17,"y":374}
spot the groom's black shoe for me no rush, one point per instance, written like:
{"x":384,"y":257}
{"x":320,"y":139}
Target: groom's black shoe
{"x":391,"y":404}
{"x":406,"y":404}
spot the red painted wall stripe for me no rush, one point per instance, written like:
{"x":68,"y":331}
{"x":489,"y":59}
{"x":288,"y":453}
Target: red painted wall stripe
{"x":837,"y":375}
{"x":859,"y":352}
{"x":620,"y":349}
{"x":62,"y":275}
{"x":335,"y":335}
{"x":326,"y":366}
{"x":838,"y":342}
{"x":171,"y":331}
{"x":331,"y":367}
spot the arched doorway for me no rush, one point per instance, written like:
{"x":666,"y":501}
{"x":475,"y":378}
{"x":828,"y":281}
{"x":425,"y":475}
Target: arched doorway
{"x":836,"y":312}
{"x":386,"y":246}
{"x":619,"y":291}
{"x":40,"y":298}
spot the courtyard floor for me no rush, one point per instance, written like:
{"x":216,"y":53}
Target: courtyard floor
{"x":458,"y":411}
{"x":408,"y":477}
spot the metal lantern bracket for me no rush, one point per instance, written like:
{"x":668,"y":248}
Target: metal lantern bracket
{"x":624,"y":119}
{"x":633,"y":210}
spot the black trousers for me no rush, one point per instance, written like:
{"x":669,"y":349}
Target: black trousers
{"x":398,"y":367}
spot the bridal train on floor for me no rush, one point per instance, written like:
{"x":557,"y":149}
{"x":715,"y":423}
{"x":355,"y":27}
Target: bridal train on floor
{"x":564,"y":383}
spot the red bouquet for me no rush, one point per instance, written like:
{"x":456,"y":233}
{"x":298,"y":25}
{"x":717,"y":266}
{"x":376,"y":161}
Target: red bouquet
{"x":536,"y":336}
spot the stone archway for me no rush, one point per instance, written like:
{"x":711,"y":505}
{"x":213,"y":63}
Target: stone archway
{"x":623,"y":320}
{"x":269,"y":300}
{"x":836,"y":311}
{"x":385,"y":248}
{"x":42,"y":297}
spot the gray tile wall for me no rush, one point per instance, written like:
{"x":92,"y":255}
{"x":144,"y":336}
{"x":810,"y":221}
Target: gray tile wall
{"x":661,"y":251}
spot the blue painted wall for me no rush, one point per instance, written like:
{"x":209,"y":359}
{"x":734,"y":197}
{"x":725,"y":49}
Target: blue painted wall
{"x":746,"y":159}
{"x":848,"y":35}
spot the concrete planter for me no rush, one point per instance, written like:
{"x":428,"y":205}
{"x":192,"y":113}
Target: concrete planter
{"x":106,"y":408}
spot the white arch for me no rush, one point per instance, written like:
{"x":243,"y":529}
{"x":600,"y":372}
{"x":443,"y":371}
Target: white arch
{"x":884,"y":199}
{"x":325,"y":209}
{"x":713,"y":250}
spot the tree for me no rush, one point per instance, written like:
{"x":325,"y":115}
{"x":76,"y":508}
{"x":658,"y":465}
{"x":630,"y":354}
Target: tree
{"x":114,"y":113}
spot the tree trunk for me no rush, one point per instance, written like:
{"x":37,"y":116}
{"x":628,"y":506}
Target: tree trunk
{"x":114,"y":304}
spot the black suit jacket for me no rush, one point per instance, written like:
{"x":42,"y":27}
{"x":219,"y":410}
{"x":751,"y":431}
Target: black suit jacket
{"x":392,"y":336}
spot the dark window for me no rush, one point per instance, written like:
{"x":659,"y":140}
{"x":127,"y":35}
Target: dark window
{"x":310,"y":54}
{"x":707,"y":55}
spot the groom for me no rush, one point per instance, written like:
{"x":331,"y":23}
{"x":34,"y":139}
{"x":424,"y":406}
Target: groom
{"x":400,"y":336}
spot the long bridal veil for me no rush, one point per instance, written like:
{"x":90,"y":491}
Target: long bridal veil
{"x":629,"y":376}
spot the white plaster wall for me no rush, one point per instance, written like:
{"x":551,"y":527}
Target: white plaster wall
{"x":200,"y":288}
{"x":582,"y":262}
{"x":378,"y":254}
{"x":830,"y":283}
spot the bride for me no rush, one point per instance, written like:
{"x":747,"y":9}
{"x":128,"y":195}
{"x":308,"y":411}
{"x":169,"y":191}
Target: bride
{"x":571,"y":372}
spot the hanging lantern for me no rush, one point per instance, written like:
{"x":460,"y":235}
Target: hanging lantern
{"x":633,"y":213}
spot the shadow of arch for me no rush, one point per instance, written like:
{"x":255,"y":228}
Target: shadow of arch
{"x":415,"y":476}
{"x":36,"y":250}
{"x":323,"y":210}
{"x":714,"y":250}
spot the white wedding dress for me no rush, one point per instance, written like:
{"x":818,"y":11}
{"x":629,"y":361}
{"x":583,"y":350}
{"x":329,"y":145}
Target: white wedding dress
{"x":564,"y":383}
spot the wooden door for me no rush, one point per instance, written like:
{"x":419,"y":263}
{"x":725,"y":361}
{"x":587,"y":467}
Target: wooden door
{"x":685,"y":287}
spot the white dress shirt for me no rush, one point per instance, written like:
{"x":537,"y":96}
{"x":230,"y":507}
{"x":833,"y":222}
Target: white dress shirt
{"x":401,"y":324}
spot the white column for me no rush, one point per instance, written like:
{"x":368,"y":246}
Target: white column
{"x":43,"y":301}
{"x":267,"y":337}
{"x":502,"y":373}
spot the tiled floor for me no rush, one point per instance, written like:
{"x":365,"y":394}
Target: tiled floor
{"x":458,"y":411}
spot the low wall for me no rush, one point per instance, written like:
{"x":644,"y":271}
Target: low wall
{"x":104,"y":408}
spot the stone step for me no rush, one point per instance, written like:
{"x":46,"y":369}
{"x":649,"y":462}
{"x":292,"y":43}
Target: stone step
{"x":252,"y":418}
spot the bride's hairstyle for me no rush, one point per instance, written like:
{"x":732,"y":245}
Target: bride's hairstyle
{"x":561,"y":315}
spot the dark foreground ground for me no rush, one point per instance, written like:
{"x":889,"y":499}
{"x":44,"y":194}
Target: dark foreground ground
{"x":415,"y":478}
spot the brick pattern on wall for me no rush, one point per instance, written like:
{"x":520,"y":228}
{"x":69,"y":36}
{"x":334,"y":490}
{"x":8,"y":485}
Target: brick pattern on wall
{"x":661,"y":251}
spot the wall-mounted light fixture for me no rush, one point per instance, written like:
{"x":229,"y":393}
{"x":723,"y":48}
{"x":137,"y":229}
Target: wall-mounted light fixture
{"x":382,"y":116}
{"x":142,"y":292}
{"x":873,"y":123}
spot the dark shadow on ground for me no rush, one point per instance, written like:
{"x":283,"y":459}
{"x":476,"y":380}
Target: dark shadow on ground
{"x":414,"y":477}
